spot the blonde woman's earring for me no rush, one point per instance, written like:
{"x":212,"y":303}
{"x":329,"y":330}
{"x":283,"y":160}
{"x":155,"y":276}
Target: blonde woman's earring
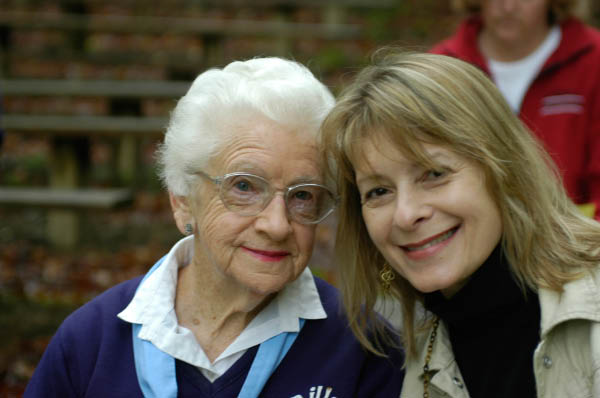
{"x":189,"y":229}
{"x":387,"y":275}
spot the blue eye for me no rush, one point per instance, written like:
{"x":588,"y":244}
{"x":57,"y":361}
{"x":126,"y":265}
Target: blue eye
{"x":243,"y":185}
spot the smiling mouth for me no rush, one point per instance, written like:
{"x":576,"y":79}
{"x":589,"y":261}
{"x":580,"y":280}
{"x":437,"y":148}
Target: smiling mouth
{"x":438,"y":239}
{"x":267,"y":254}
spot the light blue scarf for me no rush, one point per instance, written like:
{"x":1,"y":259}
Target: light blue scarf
{"x":156,"y":370}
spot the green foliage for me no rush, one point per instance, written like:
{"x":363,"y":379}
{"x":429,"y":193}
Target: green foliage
{"x":379,"y":24}
{"x":31,"y":169}
{"x":331,"y":58}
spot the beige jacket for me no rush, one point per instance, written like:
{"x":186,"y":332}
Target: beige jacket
{"x":566,"y":361}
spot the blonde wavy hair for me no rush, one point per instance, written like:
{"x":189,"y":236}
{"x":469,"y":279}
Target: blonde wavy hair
{"x":410,"y":98}
{"x":558,"y":10}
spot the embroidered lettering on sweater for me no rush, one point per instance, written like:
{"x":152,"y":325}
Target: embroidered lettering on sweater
{"x":316,"y":392}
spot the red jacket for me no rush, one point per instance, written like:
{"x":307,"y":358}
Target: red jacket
{"x":562,"y":105}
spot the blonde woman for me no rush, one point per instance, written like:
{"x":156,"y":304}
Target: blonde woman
{"x":449,"y":203}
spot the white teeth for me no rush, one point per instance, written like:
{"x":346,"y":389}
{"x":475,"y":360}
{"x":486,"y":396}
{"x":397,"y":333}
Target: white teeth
{"x":437,"y":240}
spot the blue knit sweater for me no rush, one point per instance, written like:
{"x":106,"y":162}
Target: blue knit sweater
{"x":91,"y":355}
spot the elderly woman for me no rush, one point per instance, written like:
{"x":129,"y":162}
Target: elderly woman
{"x":545,"y":62}
{"x":448,"y":202}
{"x":231,"y":310}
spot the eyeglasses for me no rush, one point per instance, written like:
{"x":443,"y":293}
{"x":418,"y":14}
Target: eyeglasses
{"x":248,"y":194}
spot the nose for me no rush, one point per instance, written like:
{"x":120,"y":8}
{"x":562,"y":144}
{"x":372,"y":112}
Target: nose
{"x":274,"y":220}
{"x":410,"y":211}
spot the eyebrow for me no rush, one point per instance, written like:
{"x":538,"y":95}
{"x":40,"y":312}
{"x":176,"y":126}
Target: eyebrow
{"x":245,"y":167}
{"x":250,"y":168}
{"x":371,"y":177}
{"x":307,"y":180}
{"x":436,"y":155}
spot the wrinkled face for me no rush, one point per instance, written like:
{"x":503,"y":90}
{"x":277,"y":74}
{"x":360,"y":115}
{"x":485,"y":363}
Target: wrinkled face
{"x":435,"y":227}
{"x":513,"y":21}
{"x":260,"y":253}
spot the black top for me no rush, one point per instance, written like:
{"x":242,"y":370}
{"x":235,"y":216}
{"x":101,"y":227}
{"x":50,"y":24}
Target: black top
{"x":494,"y":329}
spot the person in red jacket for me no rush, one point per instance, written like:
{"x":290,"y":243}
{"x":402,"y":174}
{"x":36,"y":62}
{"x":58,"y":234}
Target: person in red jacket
{"x":546,"y":63}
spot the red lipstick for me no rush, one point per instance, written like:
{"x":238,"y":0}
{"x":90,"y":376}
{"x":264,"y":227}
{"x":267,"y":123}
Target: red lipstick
{"x":267,"y":255}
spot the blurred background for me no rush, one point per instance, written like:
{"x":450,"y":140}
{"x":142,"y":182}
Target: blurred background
{"x":86,"y":88}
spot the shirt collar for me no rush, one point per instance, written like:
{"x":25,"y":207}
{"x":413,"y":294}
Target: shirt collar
{"x":153,"y":307}
{"x":578,"y":300}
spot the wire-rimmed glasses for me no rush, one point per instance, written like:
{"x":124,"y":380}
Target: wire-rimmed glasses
{"x":248,"y":194}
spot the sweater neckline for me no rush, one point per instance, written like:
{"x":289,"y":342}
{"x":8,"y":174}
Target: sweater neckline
{"x":490,"y":292}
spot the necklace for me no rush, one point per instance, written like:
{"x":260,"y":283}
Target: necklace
{"x":426,"y":375}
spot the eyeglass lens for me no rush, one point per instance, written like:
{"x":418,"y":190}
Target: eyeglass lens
{"x":249,"y":195}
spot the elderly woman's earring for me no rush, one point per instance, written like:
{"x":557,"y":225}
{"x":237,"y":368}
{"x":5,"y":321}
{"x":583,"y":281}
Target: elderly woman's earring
{"x":387,"y":275}
{"x":188,"y":229}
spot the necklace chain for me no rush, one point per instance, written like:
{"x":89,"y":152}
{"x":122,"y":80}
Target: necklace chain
{"x":426,"y":375}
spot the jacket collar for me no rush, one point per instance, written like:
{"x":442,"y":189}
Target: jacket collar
{"x":466,"y":47}
{"x":441,"y":356}
{"x":443,"y":367}
{"x":576,"y":40}
{"x":578,"y":300}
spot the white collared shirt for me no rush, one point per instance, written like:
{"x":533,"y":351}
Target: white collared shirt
{"x":153,"y":306}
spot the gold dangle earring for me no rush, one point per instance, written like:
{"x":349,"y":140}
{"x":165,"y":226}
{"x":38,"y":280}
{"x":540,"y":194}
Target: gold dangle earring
{"x":387,"y":275}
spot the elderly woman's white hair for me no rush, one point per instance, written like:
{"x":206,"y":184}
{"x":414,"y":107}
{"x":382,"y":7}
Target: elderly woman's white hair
{"x":220,"y":101}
